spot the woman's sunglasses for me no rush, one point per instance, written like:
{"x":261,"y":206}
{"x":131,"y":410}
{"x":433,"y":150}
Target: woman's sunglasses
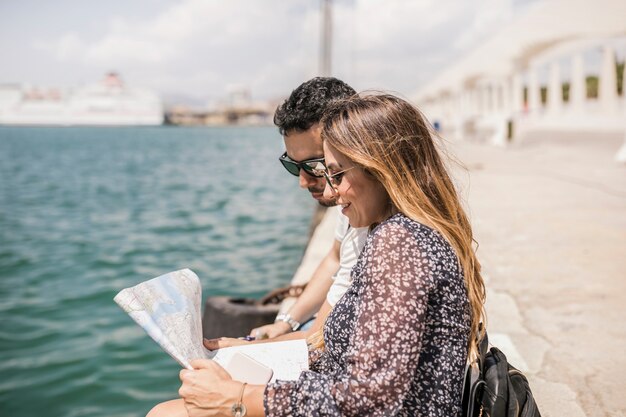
{"x":334,"y":180}
{"x":314,"y":167}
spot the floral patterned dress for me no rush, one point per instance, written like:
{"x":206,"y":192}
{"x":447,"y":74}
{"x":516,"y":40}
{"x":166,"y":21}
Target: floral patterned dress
{"x":396,"y":342}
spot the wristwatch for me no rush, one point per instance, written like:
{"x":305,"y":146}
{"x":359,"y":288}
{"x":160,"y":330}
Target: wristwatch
{"x":289,"y":320}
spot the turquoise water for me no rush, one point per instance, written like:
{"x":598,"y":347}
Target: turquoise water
{"x":85,"y":212}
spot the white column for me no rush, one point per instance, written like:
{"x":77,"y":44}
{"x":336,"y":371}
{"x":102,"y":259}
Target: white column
{"x":486,"y":98}
{"x":555,"y":92}
{"x":577,"y":85}
{"x":465,"y":104}
{"x":507,"y":93}
{"x":493,"y":97}
{"x":475,"y":101}
{"x":460,"y":106}
{"x":534,"y":97}
{"x":517,"y":94}
{"x":474,"y":98}
{"x":486,"y":107}
{"x":445,"y":110}
{"x":466,"y":112}
{"x":442,"y":108}
{"x":501,"y":121}
{"x":496,"y":97}
{"x":457,"y":114}
{"x":607,"y":92}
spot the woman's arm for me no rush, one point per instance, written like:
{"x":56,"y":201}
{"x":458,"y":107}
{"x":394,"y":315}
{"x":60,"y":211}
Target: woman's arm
{"x":208,"y":390}
{"x":384,"y":353}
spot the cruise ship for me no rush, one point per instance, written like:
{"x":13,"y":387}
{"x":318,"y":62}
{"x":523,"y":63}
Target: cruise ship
{"x":106,"y":103}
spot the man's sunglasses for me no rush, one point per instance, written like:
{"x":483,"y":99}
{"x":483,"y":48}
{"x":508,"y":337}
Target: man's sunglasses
{"x":314,"y":167}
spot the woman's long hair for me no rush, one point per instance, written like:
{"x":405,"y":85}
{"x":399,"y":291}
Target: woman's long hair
{"x":390,"y":139}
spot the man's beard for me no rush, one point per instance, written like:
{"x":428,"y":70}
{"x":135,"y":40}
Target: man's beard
{"x":323,"y":202}
{"x":327,"y":203}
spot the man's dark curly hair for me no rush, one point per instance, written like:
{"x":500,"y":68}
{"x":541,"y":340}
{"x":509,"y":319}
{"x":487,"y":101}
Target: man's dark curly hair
{"x":307,"y":103}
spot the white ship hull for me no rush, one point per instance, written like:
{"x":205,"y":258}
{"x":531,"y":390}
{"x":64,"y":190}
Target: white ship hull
{"x":79,"y":118}
{"x":108,"y":103}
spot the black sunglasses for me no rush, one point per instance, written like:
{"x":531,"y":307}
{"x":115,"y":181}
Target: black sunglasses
{"x":314,"y":167}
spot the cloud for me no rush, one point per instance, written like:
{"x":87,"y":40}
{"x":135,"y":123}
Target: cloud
{"x":199,"y":47}
{"x":395,"y":43}
{"x":194,"y":25}
{"x":115,"y":49}
{"x":383,"y":24}
{"x":65,"y":48}
{"x":489,"y":16}
{"x":212,"y":43}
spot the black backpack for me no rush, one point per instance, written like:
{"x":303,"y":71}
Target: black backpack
{"x":494,"y":388}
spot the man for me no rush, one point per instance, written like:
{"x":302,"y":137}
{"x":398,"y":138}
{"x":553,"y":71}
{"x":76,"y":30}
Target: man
{"x":298,"y":120}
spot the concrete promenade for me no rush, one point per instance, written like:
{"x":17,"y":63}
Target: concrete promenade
{"x":549,"y":214}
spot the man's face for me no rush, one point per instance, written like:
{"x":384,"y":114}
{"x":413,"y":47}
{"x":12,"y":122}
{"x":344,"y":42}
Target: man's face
{"x":306,"y":145}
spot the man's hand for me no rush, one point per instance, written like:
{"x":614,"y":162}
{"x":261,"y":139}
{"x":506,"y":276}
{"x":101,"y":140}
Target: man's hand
{"x":208,"y":390}
{"x":222,"y":342}
{"x":270,"y":331}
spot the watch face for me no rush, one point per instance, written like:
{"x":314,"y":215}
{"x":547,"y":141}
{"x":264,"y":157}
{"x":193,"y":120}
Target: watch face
{"x":238,"y":410}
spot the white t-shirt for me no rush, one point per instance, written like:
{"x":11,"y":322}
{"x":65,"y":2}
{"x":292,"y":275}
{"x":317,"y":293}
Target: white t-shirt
{"x":352,"y":241}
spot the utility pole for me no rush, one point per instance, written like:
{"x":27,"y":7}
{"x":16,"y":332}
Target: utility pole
{"x":326,"y":42}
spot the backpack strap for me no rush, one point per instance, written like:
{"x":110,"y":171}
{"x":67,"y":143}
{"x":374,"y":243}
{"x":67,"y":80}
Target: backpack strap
{"x":474,"y":381}
{"x":483,"y":348}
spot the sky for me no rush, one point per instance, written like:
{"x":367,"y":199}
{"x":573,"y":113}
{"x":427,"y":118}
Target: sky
{"x":199,"y":51}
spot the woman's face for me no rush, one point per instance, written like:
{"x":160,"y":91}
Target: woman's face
{"x":362,"y":198}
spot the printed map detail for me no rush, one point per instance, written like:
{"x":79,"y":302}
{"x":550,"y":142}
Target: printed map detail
{"x":168,"y":309}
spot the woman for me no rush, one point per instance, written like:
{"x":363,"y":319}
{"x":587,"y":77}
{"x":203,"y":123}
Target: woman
{"x":398,"y":340}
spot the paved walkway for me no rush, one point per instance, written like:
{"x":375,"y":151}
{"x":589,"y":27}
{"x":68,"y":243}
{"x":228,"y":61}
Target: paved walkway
{"x":550,"y":217}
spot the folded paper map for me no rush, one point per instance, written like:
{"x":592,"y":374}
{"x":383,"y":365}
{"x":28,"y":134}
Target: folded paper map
{"x":168,"y":309}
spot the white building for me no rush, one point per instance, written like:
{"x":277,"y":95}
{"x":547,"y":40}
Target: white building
{"x":495,"y":92}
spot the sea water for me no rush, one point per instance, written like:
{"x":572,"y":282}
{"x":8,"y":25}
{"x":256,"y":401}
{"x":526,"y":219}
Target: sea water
{"x":85,"y":212}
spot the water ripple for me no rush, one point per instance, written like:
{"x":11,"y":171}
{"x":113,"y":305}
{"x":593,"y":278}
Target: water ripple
{"x":85,"y":212}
